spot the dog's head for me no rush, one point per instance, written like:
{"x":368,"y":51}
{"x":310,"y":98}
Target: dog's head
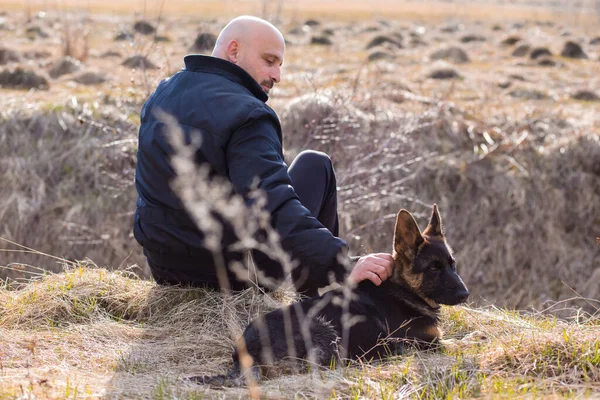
{"x":424,"y":261}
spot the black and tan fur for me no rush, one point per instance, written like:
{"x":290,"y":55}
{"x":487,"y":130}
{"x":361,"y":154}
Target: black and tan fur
{"x":378,"y":320}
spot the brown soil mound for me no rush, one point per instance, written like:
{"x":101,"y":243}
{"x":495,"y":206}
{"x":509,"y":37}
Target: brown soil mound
{"x":21,"y":78}
{"x":8,"y":56}
{"x":573,"y":50}
{"x":510,"y":40}
{"x":452,"y":54}
{"x":321,"y":40}
{"x":162,"y":39}
{"x":452,"y":28}
{"x":144,"y":27}
{"x":110,"y":53}
{"x":36,"y":54}
{"x":123,"y":35}
{"x":529,"y":94}
{"x":547,"y":62}
{"x":380,"y":40}
{"x":66,"y":65}
{"x":36,"y":32}
{"x":521,"y":51}
{"x":380,"y":55}
{"x":139,"y":62}
{"x":444,"y":73}
{"x":90,"y":78}
{"x":539,"y":52}
{"x":585,"y":95}
{"x":473,"y":38}
{"x":204,"y":42}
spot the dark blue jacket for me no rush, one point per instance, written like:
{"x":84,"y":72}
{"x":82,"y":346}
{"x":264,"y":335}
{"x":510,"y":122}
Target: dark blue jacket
{"x":241,"y":140}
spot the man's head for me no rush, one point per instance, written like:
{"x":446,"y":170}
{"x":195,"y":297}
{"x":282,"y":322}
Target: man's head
{"x":254,"y":45}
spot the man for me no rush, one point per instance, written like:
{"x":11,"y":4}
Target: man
{"x":222,"y":97}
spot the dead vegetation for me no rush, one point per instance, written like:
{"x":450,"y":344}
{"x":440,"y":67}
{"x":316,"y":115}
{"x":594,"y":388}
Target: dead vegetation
{"x":94,"y":333}
{"x":386,"y":124}
{"x":67,"y":188}
{"x":509,"y":149}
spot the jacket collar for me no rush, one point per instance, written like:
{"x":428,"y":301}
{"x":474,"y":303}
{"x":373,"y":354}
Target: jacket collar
{"x":200,"y":63}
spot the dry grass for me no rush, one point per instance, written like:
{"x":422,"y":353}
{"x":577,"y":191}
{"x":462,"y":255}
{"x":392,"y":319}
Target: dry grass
{"x":63,"y":174}
{"x":91,"y":333}
{"x":396,"y":139}
{"x":516,"y":180}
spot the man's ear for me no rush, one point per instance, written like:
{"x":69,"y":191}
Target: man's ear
{"x":407,"y":236}
{"x":232,"y":51}
{"x":435,"y":224}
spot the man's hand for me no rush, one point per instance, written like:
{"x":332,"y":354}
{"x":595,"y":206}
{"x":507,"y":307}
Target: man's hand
{"x":376,"y":267}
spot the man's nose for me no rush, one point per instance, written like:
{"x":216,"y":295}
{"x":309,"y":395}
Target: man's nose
{"x":276,"y":75}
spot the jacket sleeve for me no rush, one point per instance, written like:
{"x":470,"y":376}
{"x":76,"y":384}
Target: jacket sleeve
{"x":255,"y":150}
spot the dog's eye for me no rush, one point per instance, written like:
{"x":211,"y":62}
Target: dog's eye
{"x":435,"y":267}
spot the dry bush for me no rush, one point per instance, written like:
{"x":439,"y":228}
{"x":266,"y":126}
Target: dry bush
{"x":67,"y":179}
{"x":75,"y":42}
{"x":525,"y":218}
{"x":146,"y":338}
{"x":324,"y":121}
{"x":522,"y":220}
{"x":515,"y":243}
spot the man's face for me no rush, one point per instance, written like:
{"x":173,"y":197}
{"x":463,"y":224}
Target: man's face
{"x":262,"y":59}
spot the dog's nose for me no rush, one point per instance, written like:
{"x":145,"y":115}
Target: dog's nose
{"x":463,"y":295}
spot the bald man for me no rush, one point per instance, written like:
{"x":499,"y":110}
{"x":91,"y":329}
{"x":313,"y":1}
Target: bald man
{"x":223,"y":98}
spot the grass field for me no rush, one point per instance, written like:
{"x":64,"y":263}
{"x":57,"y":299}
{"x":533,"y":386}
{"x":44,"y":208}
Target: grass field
{"x":91,"y":333}
{"x":508,"y":146}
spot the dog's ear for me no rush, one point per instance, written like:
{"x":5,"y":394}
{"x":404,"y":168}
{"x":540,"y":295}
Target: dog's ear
{"x":407,"y":236}
{"x":435,"y":224}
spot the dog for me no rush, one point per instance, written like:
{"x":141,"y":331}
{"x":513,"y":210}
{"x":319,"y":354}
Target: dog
{"x":365,"y":322}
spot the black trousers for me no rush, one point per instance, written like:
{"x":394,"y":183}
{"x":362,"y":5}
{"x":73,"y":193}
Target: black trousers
{"x":313,"y":179}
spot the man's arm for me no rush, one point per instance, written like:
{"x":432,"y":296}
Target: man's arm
{"x":253,"y":151}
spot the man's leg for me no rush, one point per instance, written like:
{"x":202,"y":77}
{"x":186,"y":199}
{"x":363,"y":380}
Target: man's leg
{"x":185,"y":270}
{"x":313,"y":178}
{"x":314,"y":181}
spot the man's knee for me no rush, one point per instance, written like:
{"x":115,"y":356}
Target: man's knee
{"x":313,"y":158}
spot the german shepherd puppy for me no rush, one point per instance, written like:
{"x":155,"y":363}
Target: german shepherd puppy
{"x":365,"y":322}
